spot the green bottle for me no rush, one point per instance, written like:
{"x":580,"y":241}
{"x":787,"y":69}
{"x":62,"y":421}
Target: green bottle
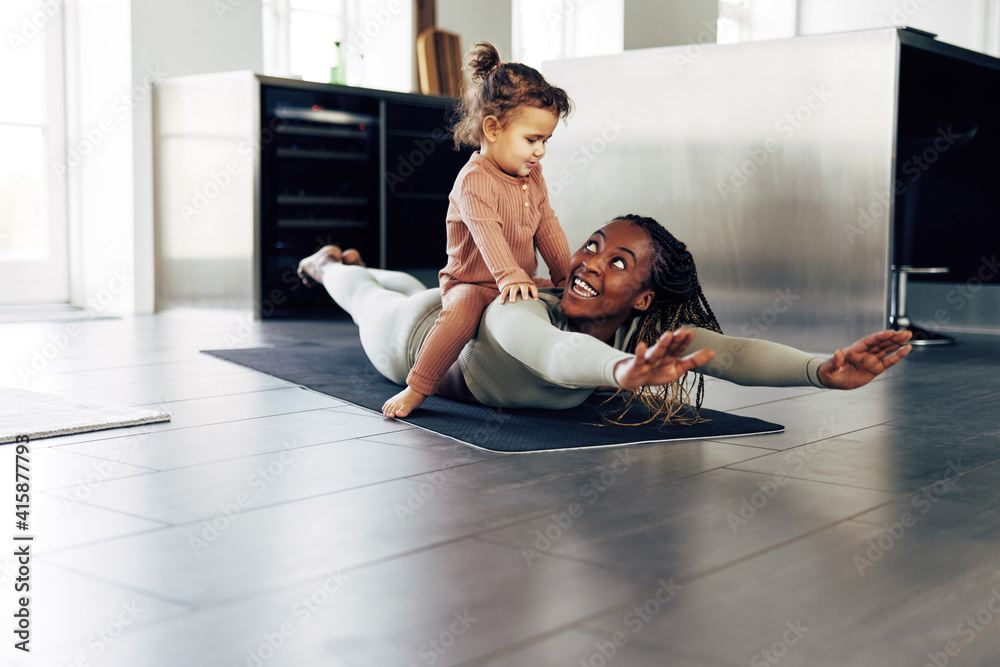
{"x":338,"y":72}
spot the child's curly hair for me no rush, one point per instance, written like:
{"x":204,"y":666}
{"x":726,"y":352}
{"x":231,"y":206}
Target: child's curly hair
{"x":499,"y":90}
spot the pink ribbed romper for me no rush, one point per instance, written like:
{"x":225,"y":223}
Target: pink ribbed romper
{"x":495,"y":222}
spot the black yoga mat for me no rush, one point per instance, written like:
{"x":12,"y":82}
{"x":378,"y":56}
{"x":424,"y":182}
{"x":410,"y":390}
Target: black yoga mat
{"x":341,"y":369}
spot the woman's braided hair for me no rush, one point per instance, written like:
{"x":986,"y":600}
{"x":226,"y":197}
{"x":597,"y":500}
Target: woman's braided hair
{"x":678,"y":299}
{"x":499,"y":90}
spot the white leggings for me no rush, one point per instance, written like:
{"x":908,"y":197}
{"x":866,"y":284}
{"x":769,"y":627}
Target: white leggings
{"x":393,"y":310}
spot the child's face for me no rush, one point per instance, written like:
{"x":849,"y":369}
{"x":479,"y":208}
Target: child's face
{"x":518,"y":145}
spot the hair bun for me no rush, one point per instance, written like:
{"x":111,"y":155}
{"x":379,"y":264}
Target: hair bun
{"x":481,"y":60}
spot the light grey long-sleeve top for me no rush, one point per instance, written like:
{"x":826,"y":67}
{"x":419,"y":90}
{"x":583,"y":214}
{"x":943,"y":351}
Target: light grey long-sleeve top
{"x":525,"y":356}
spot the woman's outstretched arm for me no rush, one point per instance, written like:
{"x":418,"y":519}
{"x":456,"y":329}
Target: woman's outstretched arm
{"x":754,"y":362}
{"x":571,"y":359}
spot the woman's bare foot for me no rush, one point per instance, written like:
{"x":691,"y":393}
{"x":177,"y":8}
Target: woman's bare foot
{"x":403,"y":403}
{"x":352,"y":256}
{"x":311,"y":268}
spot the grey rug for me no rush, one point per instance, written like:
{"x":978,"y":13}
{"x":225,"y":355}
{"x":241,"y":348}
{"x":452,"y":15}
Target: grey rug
{"x":36,"y":415}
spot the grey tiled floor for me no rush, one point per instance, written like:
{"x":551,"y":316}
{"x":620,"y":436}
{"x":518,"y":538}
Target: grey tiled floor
{"x":268,"y":525}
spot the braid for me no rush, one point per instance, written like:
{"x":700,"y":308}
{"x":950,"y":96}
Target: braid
{"x":679,"y":299}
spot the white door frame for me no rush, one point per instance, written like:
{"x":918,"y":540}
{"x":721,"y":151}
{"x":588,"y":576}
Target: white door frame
{"x":47,"y":280}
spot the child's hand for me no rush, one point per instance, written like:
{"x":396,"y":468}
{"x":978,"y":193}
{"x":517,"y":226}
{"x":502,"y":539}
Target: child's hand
{"x":512,"y":290}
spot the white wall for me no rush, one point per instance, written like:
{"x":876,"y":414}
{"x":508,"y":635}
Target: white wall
{"x":961,"y":22}
{"x":478,"y":21}
{"x":178,"y":38}
{"x":98,"y":165}
{"x":651,"y":23}
{"x":116,"y":51}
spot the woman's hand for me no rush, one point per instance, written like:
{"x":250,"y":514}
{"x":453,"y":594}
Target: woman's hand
{"x":662,"y":363}
{"x":526,"y":290}
{"x":859,"y":364}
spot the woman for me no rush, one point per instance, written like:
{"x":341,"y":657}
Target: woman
{"x":629,"y":282}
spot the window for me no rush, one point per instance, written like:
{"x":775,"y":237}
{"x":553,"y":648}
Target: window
{"x":33,"y":233}
{"x":549,"y":29}
{"x":375,"y":41}
{"x":745,"y":21}
{"x":300,"y":37}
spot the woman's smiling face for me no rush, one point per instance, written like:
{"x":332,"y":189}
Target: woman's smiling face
{"x":609,"y":273}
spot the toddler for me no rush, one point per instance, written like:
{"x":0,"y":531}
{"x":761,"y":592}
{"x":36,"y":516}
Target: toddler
{"x":498,"y":213}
